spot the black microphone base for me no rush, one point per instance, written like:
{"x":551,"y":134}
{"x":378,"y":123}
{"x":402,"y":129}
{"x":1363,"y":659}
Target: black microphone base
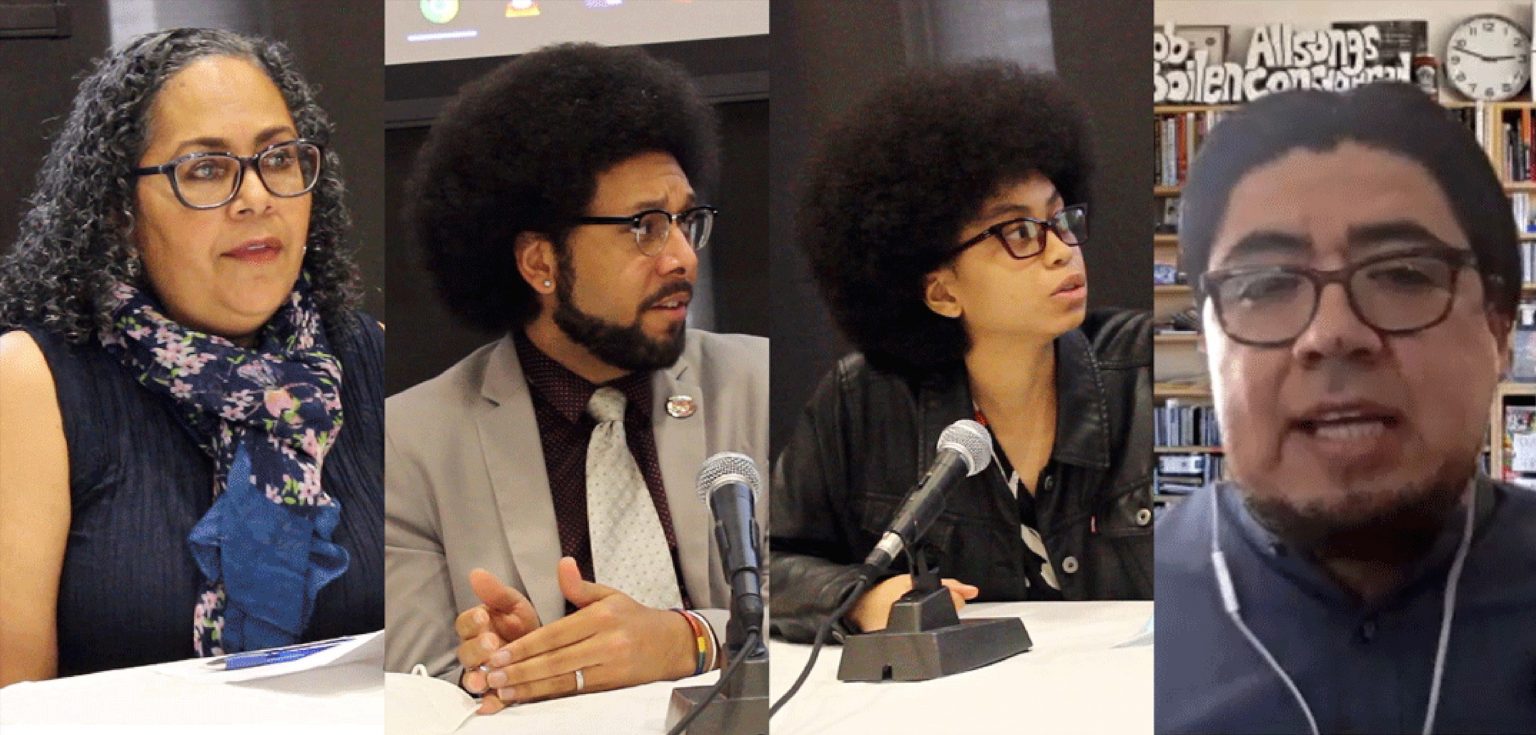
{"x":740,"y":709}
{"x":927,"y":640}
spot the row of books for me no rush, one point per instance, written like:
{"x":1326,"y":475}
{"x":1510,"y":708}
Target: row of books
{"x":1515,"y":163}
{"x":1176,"y":137}
{"x":1527,"y":261}
{"x":1520,"y":206}
{"x":1180,"y":424}
{"x":1181,"y":474}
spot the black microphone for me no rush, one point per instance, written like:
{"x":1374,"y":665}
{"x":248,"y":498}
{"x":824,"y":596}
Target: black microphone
{"x":729,"y":483}
{"x":965,"y":448}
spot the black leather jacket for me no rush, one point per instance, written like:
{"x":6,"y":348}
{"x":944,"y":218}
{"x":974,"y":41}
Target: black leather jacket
{"x":866,"y":436}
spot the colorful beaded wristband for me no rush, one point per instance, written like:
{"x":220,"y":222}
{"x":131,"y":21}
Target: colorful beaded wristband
{"x":713,"y":662}
{"x":701,"y":639}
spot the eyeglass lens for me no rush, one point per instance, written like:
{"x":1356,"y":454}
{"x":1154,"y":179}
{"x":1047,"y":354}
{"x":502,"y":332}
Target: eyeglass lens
{"x":1397,"y":295}
{"x":1026,"y":237}
{"x":696,"y":225}
{"x":286,"y":170}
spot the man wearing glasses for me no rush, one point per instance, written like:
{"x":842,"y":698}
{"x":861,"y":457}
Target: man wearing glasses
{"x":1358,"y":277}
{"x":544,"y":536}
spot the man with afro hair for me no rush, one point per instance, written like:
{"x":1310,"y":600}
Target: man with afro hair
{"x":943,"y":221}
{"x":543,"y":534}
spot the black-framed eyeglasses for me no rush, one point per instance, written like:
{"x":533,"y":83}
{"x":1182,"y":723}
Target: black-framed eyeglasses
{"x":206,"y":180}
{"x":1392,"y":293}
{"x":1024,"y":237}
{"x":652,"y":226}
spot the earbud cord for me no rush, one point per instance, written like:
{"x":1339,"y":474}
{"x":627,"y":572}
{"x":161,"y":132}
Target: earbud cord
{"x":1229,"y":602}
{"x":1449,"y":612}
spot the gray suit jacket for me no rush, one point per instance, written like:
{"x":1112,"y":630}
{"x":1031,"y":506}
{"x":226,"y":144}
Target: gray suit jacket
{"x":466,"y":487}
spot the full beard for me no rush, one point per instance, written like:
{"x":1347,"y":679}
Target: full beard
{"x":624,"y":347}
{"x":1363,"y":525}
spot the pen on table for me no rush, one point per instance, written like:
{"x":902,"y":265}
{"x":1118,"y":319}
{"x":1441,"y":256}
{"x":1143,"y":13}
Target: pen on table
{"x":274,"y":655}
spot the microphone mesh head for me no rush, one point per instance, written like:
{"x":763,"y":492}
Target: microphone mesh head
{"x":728,"y":467}
{"x":972,"y":441}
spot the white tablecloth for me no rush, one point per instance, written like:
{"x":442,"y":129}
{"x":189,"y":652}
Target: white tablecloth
{"x":338,"y":700}
{"x":640,"y":710}
{"x":1073,"y":680}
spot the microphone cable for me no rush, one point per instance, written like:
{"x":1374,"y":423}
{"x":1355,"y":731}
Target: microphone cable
{"x":967,"y":441}
{"x":752,"y":641}
{"x":865,"y":574}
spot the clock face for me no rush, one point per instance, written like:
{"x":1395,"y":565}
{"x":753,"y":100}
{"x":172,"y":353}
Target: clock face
{"x":1488,"y":57}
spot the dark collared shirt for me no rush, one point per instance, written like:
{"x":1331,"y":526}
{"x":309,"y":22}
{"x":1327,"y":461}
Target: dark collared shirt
{"x":1040,"y":576}
{"x":1362,"y":668}
{"x":565,"y":429}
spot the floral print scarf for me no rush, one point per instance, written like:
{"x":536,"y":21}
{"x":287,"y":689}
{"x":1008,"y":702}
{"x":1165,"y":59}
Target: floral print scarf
{"x":266,"y":416}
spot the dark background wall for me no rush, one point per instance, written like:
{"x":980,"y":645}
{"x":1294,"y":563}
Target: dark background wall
{"x":425,"y":339}
{"x":40,"y":76}
{"x":828,"y":55}
{"x":339,"y":46}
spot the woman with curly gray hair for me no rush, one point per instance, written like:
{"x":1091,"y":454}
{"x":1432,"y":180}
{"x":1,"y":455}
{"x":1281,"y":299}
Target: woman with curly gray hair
{"x":180,"y":354}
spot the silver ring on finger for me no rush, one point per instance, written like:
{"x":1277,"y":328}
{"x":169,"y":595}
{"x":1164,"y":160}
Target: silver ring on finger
{"x":581,"y":680}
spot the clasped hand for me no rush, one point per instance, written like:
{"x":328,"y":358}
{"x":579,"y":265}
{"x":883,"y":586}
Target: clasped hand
{"x":614,"y":641}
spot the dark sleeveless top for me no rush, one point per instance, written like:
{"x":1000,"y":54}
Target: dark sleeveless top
{"x":138,"y":484}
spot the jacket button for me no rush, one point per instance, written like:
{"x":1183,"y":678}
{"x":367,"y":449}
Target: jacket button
{"x":1368,"y":631}
{"x":1069,"y":565}
{"x":1143,"y":517}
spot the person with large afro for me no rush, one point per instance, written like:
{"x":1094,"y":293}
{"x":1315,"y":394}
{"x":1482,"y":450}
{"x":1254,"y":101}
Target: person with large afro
{"x":944,"y":220}
{"x":543,"y":535}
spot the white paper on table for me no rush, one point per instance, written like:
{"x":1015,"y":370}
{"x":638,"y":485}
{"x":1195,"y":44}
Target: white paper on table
{"x":1144,"y":638}
{"x":417,"y":704}
{"x":365,"y":648}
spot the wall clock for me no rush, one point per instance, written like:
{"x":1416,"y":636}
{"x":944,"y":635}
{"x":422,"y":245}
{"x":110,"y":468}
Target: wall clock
{"x":1488,"y":58}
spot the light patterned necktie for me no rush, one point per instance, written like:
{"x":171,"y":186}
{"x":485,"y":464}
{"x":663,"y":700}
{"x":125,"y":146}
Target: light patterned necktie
{"x":629,"y":550}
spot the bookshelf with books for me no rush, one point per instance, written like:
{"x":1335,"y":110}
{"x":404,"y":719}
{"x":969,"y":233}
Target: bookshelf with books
{"x":1181,"y":391}
{"x":1508,"y":134}
{"x":1188,"y":442}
